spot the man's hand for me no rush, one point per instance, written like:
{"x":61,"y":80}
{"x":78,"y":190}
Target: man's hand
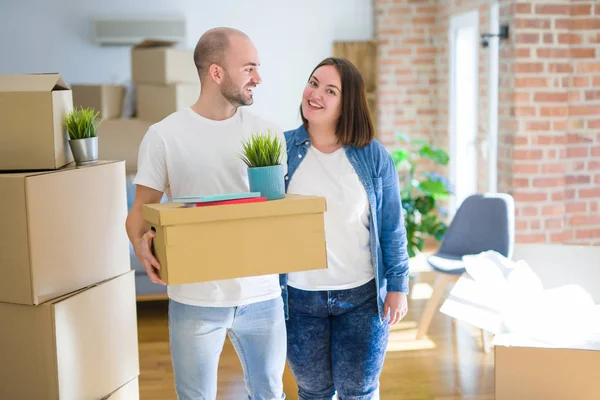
{"x":395,"y":306}
{"x":143,"y":252}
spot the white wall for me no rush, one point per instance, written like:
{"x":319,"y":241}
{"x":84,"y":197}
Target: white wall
{"x":291,"y":37}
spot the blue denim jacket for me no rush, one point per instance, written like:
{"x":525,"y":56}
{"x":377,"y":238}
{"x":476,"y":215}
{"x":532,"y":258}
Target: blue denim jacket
{"x":376,"y":170}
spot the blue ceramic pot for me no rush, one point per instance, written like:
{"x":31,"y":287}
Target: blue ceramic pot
{"x":269,"y":181}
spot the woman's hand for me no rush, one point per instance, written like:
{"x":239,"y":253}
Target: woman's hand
{"x":395,"y":306}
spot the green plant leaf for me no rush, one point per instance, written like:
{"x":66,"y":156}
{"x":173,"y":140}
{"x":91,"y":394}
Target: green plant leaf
{"x":424,"y":204}
{"x":436,"y":155}
{"x":82,"y":123}
{"x":436,"y":189}
{"x":262,"y":150}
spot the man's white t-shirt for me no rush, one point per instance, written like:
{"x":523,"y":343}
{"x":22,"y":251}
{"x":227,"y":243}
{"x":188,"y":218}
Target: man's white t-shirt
{"x":347,"y":221}
{"x":190,"y":156}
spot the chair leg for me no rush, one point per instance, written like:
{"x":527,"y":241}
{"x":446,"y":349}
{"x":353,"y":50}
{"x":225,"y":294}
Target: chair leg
{"x":439,"y":288}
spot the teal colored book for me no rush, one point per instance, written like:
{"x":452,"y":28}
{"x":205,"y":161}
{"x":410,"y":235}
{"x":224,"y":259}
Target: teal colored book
{"x":215,"y":197}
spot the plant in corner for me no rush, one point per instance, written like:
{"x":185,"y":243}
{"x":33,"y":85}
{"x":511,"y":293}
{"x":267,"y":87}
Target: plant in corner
{"x":82,"y":126}
{"x":263,"y":153}
{"x":421,"y":192}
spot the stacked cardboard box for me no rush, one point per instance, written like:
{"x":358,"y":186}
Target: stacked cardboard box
{"x":166,"y":79}
{"x":67,"y":294}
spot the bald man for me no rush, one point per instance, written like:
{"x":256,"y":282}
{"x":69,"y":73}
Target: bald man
{"x":195,"y":152}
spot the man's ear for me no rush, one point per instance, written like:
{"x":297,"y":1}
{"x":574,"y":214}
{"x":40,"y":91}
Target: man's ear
{"x":216,"y":73}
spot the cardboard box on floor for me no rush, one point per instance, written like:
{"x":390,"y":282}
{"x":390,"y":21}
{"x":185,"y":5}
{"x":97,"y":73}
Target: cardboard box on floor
{"x":130,"y":391}
{"x":160,"y":62}
{"x":535,"y":369}
{"x":156,"y":102}
{"x":106,"y":99}
{"x":120,"y":139}
{"x":238,"y":240}
{"x":61,"y":231}
{"x":83,"y":345}
{"x":33,"y":108}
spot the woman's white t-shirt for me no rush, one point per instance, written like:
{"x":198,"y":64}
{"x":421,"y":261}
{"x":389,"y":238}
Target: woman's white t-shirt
{"x":346,"y":221}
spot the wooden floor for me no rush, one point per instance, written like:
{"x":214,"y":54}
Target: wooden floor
{"x":447,"y":365}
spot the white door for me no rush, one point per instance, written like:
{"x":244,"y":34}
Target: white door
{"x":464,"y":98}
{"x":491,"y":145}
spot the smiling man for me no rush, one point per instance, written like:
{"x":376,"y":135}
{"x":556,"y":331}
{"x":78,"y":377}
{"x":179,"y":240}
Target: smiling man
{"x":195,"y":152}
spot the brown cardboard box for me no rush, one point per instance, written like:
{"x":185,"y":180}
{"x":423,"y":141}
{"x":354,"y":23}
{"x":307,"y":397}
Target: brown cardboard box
{"x":106,"y":99}
{"x":130,"y":391}
{"x":119,"y":139}
{"x":157,"y":102}
{"x":79,"y":346}
{"x":528,"y":372}
{"x":33,"y":109}
{"x":238,"y":240}
{"x":159,"y":62}
{"x":61,"y":231}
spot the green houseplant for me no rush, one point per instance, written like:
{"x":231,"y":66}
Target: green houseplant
{"x":82,"y":126}
{"x":263,"y":154}
{"x":421,"y":192}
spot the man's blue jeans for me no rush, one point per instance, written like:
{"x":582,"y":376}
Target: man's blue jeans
{"x":197,"y":334}
{"x":336,"y":342}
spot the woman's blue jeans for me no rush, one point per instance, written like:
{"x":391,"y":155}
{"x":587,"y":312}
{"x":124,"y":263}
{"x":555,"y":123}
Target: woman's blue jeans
{"x":336,"y":342}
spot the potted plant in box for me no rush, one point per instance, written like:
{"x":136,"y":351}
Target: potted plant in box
{"x":263,"y":154}
{"x":82,"y":126}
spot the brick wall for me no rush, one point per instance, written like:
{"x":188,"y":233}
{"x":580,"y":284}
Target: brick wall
{"x":549,"y":103}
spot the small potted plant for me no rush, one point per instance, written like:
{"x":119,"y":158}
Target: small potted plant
{"x":82,"y":126}
{"x":263,"y":153}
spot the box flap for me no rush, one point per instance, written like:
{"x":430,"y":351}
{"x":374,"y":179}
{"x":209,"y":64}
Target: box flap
{"x":32,"y":83}
{"x":152,"y":44}
{"x":166,"y":214}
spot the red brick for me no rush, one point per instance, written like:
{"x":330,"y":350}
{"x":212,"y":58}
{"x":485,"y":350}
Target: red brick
{"x":569,"y":38}
{"x":523,"y":52}
{"x":584,"y":110}
{"x":537,"y":126}
{"x":559,"y":68}
{"x":559,"y":125}
{"x":578,"y":179}
{"x":584,"y":68}
{"x":525,"y":169}
{"x":522,"y":183}
{"x":520,"y":225}
{"x":553,"y":168}
{"x":554,"y":111}
{"x":428,"y":51}
{"x":536,"y":23}
{"x":589,"y":193}
{"x":530,"y":238}
{"x":581,"y":81}
{"x":535,"y":154}
{"x":593,"y":165}
{"x":522,"y":8}
{"x":583,"y":53}
{"x":591,"y":95}
{"x":554,"y":223}
{"x":582,"y":24}
{"x":524,"y":111}
{"x":552,"y":53}
{"x":574,"y":97}
{"x":571,"y":208}
{"x":581,"y":9}
{"x":535,"y":225}
{"x":531,"y":82}
{"x":570,"y":194}
{"x":561,"y":23}
{"x":560,"y":237}
{"x":595,"y":151}
{"x":574,"y":138}
{"x":550,"y":97}
{"x":558,"y":196}
{"x":596,"y":81}
{"x":427,"y":10}
{"x":528,"y":38}
{"x":423,"y":20}
{"x":400,"y":51}
{"x":587,"y":233}
{"x":548,"y":182}
{"x":549,"y":139}
{"x":575,"y":152}
{"x":552,"y":9}
{"x":584,"y":220}
{"x":530,"y":197}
